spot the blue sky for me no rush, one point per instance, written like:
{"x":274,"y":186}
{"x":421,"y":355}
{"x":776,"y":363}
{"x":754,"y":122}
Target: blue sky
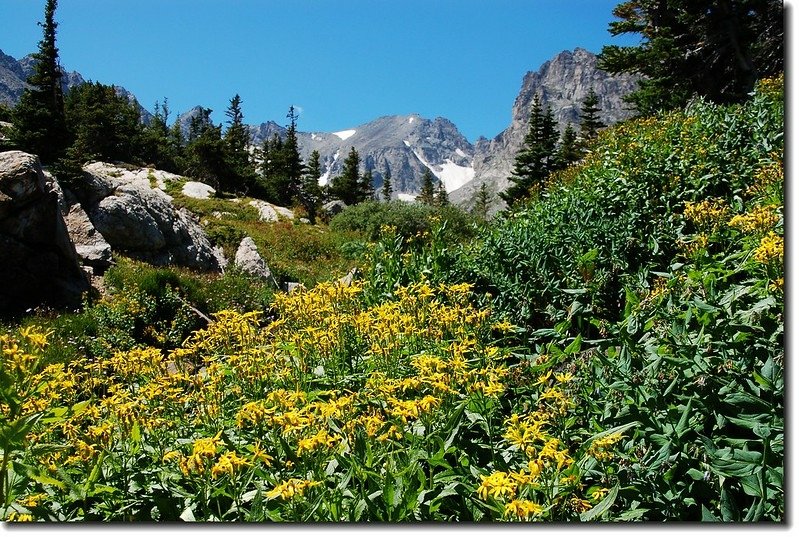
{"x":342,"y":62}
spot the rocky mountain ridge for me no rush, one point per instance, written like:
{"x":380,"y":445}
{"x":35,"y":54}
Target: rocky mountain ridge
{"x":407,"y":145}
{"x":562,"y":84}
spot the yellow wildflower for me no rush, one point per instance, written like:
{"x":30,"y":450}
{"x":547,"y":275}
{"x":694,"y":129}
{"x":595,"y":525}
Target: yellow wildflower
{"x":761,"y":218}
{"x":706,"y":213}
{"x":229,"y":463}
{"x":523,"y":509}
{"x":602,"y":448}
{"x":290,"y":488}
{"x":498,"y":485}
{"x":771,"y":248}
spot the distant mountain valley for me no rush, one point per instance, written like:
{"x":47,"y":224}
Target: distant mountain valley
{"x":407,"y":145}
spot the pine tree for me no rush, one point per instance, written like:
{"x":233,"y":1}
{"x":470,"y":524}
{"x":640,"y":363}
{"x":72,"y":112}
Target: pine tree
{"x":293,"y":167}
{"x":346,"y":186}
{"x":366,"y":188}
{"x":311,"y":194}
{"x":104,"y":124}
{"x":535,"y":160}
{"x":281,"y":165}
{"x":237,"y":141}
{"x":205,"y":153}
{"x":569,"y":149}
{"x":442,"y":198}
{"x":387,"y":188}
{"x":427,"y":193}
{"x":716,"y":49}
{"x":39,"y":121}
{"x":590,"y":124}
{"x":159,"y":147}
{"x":482,"y":202}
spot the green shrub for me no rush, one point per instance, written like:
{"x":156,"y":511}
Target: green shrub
{"x":407,"y":219}
{"x":616,"y":216}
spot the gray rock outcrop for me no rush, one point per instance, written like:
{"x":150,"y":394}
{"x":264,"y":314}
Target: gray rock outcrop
{"x":39,"y":264}
{"x":271,"y":213}
{"x":92,"y":248}
{"x":140,"y":220}
{"x":250,"y":261}
{"x":197,"y":190}
{"x":333,"y":207}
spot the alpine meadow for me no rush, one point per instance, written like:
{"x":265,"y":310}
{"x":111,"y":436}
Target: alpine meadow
{"x":580,"y":320}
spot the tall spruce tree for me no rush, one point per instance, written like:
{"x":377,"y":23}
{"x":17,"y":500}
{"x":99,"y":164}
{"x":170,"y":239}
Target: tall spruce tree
{"x":104,"y":124}
{"x":40,"y":125}
{"x":346,"y":186}
{"x":569,"y":149}
{"x":482,"y":201}
{"x":716,"y":49}
{"x":159,"y":147}
{"x":366,"y":188}
{"x":237,"y":140}
{"x":387,"y":188}
{"x":205,"y":153}
{"x":590,"y":124}
{"x":427,"y":192}
{"x":311,"y":194}
{"x":535,"y":160}
{"x":442,"y":198}
{"x":292,"y":161}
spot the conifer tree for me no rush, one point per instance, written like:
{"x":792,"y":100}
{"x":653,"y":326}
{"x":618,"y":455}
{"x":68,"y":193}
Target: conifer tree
{"x":590,"y":124}
{"x":716,"y":49}
{"x":237,"y":141}
{"x":482,"y":202}
{"x":104,"y":125}
{"x":535,"y":160}
{"x":159,"y":147}
{"x":292,"y":161}
{"x":346,"y":186}
{"x":311,"y":194}
{"x":569,"y":149}
{"x":366,"y":189}
{"x":205,"y":152}
{"x":387,"y":188}
{"x":427,"y":193}
{"x":282,"y":167}
{"x":39,"y":121}
{"x":442,"y":198}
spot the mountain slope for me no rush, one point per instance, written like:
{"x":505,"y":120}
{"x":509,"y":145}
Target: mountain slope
{"x":562,"y":83}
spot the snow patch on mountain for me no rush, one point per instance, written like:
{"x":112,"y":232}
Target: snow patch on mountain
{"x":345,"y":134}
{"x":325,"y":177}
{"x":454,"y":176}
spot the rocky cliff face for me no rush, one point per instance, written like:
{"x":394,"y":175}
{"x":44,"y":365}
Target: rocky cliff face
{"x":562,"y":83}
{"x":15,"y":73}
{"x":39,"y":263}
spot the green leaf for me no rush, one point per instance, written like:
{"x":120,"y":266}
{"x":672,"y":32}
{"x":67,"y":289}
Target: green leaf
{"x":707,"y":516}
{"x":574,"y":346}
{"x":599,"y":509}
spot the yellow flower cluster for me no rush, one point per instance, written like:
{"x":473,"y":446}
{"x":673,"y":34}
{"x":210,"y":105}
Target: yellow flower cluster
{"x":769,"y":175}
{"x":760,"y":219}
{"x":706,"y":213}
{"x":770,"y":249}
{"x":228,"y":464}
{"x":498,"y":485}
{"x":602,"y":448}
{"x":523,"y":509}
{"x":292,"y":487}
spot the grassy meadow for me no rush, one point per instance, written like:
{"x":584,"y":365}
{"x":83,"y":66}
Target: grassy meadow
{"x":610,"y":351}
